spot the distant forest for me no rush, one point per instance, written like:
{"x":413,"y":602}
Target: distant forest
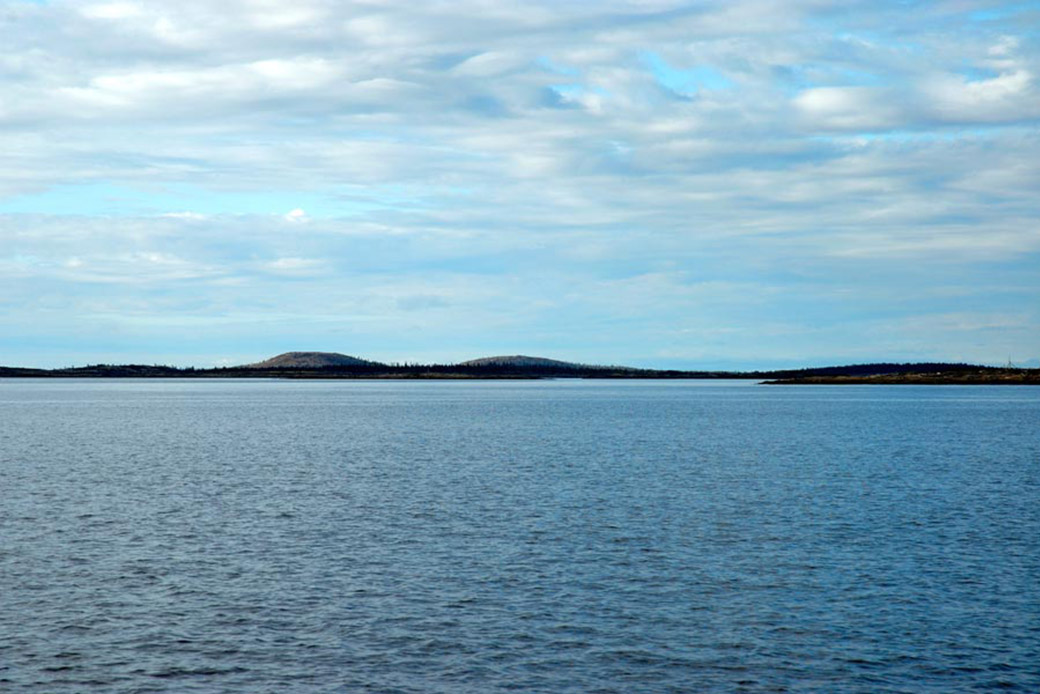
{"x":478,"y":371}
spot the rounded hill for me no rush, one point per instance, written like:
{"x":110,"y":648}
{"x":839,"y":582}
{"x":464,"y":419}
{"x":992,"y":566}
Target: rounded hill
{"x":309,"y":360}
{"x":520,"y":360}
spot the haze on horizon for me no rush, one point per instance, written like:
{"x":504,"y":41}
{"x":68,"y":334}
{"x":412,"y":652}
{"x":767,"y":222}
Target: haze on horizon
{"x":653,"y":183}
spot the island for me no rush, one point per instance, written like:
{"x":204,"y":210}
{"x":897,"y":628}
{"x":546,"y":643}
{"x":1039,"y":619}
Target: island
{"x":334,"y":365}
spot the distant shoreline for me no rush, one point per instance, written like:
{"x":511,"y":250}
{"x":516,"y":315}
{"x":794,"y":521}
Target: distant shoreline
{"x":861,"y":374}
{"x":994,"y":377}
{"x":355,"y":373}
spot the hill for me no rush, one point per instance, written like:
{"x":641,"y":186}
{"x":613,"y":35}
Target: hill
{"x":523,"y":361}
{"x":308,"y":360}
{"x":342,"y":366}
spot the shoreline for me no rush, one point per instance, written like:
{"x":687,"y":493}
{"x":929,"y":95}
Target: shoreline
{"x":996,"y":377}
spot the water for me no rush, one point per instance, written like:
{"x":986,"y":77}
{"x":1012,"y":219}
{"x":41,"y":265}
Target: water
{"x":558,"y":536}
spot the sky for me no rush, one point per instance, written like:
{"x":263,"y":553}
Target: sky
{"x":739,"y":184}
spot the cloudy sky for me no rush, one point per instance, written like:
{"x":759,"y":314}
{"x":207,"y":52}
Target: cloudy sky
{"x":657,"y":183}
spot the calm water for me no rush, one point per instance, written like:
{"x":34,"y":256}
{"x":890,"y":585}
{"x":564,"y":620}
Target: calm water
{"x":272,"y":536}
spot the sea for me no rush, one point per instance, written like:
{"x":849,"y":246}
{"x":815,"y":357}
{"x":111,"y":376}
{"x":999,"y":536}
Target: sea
{"x":252,"y":536}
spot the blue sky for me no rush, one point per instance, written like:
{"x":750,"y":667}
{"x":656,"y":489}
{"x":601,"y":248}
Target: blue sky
{"x":668,"y":184}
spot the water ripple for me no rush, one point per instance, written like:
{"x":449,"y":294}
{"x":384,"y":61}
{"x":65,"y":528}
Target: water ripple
{"x":538,"y":537}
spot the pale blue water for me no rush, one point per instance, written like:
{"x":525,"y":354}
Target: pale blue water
{"x":559,"y":536}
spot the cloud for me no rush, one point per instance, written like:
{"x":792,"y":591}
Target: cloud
{"x":856,"y":109}
{"x":295,"y":267}
{"x":113,"y":11}
{"x":451,"y":156}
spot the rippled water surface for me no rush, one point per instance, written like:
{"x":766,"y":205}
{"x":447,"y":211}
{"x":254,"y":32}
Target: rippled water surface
{"x":556,"y":536}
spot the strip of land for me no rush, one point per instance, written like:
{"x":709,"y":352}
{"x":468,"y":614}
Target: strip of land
{"x":992,"y":376}
{"x":332,"y":365}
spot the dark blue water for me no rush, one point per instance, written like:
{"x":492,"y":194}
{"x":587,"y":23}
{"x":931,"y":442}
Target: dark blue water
{"x":568,"y":536}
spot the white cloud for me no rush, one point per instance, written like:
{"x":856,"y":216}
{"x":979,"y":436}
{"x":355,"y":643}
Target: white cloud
{"x":1008,"y":97}
{"x":439,"y":146}
{"x":113,"y":10}
{"x":295,"y":267}
{"x":849,"y":108}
